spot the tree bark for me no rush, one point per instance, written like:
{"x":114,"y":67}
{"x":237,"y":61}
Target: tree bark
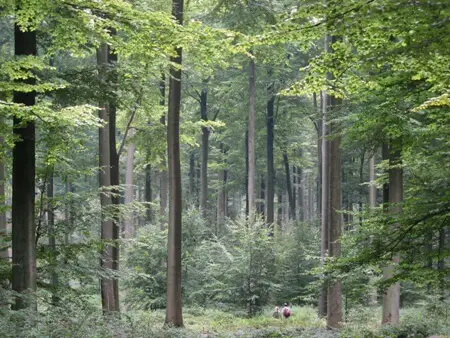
{"x":300,"y":195}
{"x":289,"y":187}
{"x":294,"y":189}
{"x":318,"y":113}
{"x":23,"y":186}
{"x":163,"y":173}
{"x":251,"y":142}
{"x":391,"y":296}
{"x":270,"y":162}
{"x":324,"y":203}
{"x":109,"y":301}
{"x":334,"y":302}
{"x":129,"y":188}
{"x":246,"y":174}
{"x":280,"y":209}
{"x":148,"y":192}
{"x":3,"y":223}
{"x":204,"y":155}
{"x":115,"y":176}
{"x":372,"y":187}
{"x":191,"y":174}
{"x":52,"y":237}
{"x":173,"y":308}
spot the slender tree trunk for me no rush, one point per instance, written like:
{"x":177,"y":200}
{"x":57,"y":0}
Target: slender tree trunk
{"x":310,"y":198}
{"x":289,"y":187}
{"x":280,"y":209}
{"x":3,"y":223}
{"x":204,"y":155}
{"x":325,"y":199}
{"x":221,"y":192}
{"x":301,"y":195}
{"x":246,"y":174}
{"x":294,"y":189}
{"x":334,"y":303}
{"x":391,"y":296}
{"x":23,"y":186}
{"x":270,"y":161}
{"x":109,"y":301}
{"x":372,"y":187}
{"x":115,"y":176}
{"x":52,"y":237}
{"x":373,"y":204}
{"x":191,"y":174}
{"x":173,"y":309}
{"x":262,"y":197}
{"x":163,"y":173}
{"x":251,"y":143}
{"x":318,"y":113}
{"x":129,"y":188}
{"x":148,"y":192}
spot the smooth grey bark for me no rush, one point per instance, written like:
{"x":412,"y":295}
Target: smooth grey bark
{"x":204,"y":154}
{"x":324,"y":203}
{"x":270,"y":161}
{"x":318,"y":114}
{"x":148,"y":193}
{"x":251,"y":142}
{"x":192,"y":174}
{"x":289,"y":186}
{"x":391,"y":296}
{"x":334,"y":293}
{"x":300,"y":195}
{"x":23,"y":186}
{"x":129,"y":218}
{"x":163,"y":173}
{"x":173,"y":295}
{"x":3,"y":223}
{"x":294,"y":189}
{"x":52,"y":237}
{"x":246,"y":173}
{"x":372,"y":187}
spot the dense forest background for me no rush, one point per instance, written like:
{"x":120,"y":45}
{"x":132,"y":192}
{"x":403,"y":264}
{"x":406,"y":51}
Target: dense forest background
{"x":195,"y":164}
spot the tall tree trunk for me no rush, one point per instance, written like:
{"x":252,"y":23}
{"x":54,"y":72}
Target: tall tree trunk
{"x":23,"y":185}
{"x":324,"y":203}
{"x":191,"y":174}
{"x":334,"y":302}
{"x":289,"y":186}
{"x":294,"y":189}
{"x":148,"y":193}
{"x":115,"y":177}
{"x":391,"y":296}
{"x":221,"y":192}
{"x":129,"y":188}
{"x":372,"y":187}
{"x":3,"y":223}
{"x":318,"y":114}
{"x":251,"y":142}
{"x":52,"y":237}
{"x":280,"y":209}
{"x":270,"y":161}
{"x":109,"y":302}
{"x":173,"y":296}
{"x":262,"y":197}
{"x":204,"y":155}
{"x":163,"y":173}
{"x":373,"y":204}
{"x":246,"y":174}
{"x":300,"y":195}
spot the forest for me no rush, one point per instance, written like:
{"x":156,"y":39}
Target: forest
{"x":174,"y":168}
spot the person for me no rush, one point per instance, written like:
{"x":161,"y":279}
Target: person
{"x":286,"y":311}
{"x":276,"y":313}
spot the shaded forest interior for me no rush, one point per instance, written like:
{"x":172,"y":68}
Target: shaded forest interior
{"x":178,"y":169}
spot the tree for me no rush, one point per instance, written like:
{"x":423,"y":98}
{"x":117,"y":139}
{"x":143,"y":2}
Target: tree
{"x":391,"y":296}
{"x":173,"y":308}
{"x":251,"y":142}
{"x":129,"y":222}
{"x":270,"y":161}
{"x":23,"y":177}
{"x":204,"y":152}
{"x":109,"y":294}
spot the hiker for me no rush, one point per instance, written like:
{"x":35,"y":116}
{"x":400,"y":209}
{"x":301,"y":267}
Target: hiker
{"x":276,"y":313}
{"x":286,"y":311}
